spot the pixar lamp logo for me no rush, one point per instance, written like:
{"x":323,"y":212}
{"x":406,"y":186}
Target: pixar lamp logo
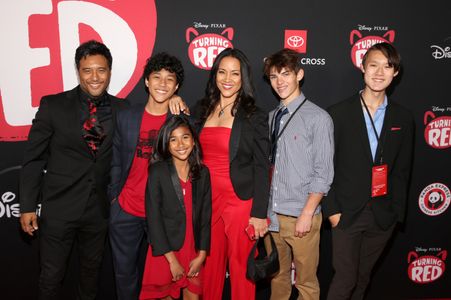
{"x":42,"y":37}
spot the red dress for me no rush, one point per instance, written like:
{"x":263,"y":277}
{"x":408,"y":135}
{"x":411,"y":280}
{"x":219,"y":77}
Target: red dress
{"x":230,"y":245}
{"x":157,"y":281}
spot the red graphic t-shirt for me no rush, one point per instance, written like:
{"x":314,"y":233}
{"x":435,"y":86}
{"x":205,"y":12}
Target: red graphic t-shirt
{"x":131,"y":198}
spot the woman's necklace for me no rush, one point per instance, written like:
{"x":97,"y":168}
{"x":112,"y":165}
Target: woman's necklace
{"x":221,"y":111}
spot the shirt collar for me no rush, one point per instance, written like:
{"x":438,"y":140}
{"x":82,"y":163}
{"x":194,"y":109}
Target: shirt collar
{"x":293,"y":104}
{"x":100,"y":101}
{"x":384,"y":104}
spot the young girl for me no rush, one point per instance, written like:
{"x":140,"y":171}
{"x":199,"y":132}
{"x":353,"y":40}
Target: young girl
{"x":178,"y":211}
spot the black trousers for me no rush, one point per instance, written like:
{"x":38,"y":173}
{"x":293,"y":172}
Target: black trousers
{"x":127,"y":232}
{"x":355,"y":250}
{"x":57,"y":238}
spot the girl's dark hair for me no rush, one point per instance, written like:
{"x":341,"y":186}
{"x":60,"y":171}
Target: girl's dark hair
{"x":161,"y":149}
{"x":245,"y":97}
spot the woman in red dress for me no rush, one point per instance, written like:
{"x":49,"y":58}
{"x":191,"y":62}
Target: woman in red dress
{"x":235,"y":144}
{"x":178,"y":211}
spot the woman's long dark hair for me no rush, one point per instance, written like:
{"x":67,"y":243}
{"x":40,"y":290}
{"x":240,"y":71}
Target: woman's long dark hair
{"x":245,"y":97}
{"x":161,"y":149}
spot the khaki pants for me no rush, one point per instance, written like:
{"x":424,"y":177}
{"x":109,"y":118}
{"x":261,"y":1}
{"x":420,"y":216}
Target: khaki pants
{"x":303,"y":252}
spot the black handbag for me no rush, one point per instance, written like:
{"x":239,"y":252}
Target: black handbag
{"x":264,"y":265}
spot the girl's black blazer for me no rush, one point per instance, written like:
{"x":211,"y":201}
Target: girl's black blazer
{"x":165,"y":209}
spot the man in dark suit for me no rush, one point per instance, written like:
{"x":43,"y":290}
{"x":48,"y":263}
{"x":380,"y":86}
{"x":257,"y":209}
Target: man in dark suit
{"x":373,"y":157}
{"x":66,"y":168}
{"x":136,"y":130}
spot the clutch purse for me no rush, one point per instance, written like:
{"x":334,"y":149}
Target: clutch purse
{"x":263,"y":265}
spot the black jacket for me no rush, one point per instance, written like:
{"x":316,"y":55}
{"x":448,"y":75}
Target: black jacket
{"x":249,"y":158}
{"x":59,"y":169}
{"x":351,"y":189}
{"x":165,"y":210}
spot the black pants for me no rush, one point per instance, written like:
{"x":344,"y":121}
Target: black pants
{"x":56,"y":240}
{"x":127,"y":233}
{"x":355,"y":250}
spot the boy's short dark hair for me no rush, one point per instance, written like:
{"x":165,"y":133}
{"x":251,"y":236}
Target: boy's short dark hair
{"x":92,"y":47}
{"x":285,"y":58}
{"x":165,"y":61}
{"x":389,"y":51}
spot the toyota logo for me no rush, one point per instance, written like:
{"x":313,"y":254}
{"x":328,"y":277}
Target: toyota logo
{"x":295,"y":41}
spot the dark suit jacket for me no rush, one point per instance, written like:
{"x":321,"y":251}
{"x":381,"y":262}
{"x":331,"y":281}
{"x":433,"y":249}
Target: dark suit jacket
{"x":249,"y":158}
{"x":125,"y":141}
{"x":351,"y":189}
{"x":165,"y":209}
{"x":59,"y":168}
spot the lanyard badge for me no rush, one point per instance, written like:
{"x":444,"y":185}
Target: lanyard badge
{"x":379,"y":172}
{"x":379,"y":180}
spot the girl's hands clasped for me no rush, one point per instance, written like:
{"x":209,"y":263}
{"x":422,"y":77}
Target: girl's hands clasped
{"x":196,"y":264}
{"x":177,"y":270}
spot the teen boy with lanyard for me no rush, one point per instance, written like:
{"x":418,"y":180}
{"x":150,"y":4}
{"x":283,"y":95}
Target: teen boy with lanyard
{"x":302,"y":158}
{"x":373,"y":154}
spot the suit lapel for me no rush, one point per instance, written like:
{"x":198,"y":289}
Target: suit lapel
{"x":359,"y":121}
{"x":131,"y":127}
{"x":235,"y":135}
{"x":134,"y":125}
{"x":108,"y":126}
{"x":176,"y":183}
{"x":195,"y":196}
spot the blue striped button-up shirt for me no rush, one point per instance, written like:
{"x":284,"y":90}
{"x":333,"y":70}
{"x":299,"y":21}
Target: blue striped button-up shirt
{"x":304,"y":159}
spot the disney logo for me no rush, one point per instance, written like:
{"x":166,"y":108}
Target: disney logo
{"x":420,"y":249}
{"x":364,"y":27}
{"x":438,"y":108}
{"x":439,"y":52}
{"x":7,"y":208}
{"x":200,"y":25}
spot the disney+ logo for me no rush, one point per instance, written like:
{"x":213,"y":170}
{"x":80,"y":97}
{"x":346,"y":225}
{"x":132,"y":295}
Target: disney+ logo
{"x":8,"y":209}
{"x":439,"y":52}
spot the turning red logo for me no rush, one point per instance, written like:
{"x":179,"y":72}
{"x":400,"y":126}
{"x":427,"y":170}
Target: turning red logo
{"x":296,"y":40}
{"x":438,"y":131}
{"x":360,"y":46}
{"x":204,"y":48}
{"x":39,"y":56}
{"x":427,"y":268}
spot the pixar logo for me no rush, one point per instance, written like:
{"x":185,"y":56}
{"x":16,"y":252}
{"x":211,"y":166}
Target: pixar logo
{"x":39,"y":38}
